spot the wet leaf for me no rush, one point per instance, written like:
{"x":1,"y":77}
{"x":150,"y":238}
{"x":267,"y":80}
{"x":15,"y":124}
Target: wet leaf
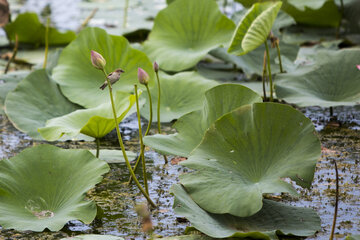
{"x":35,"y":192}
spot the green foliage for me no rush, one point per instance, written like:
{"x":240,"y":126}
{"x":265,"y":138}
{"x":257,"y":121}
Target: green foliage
{"x":30,"y":30}
{"x":35,"y":190}
{"x":192,"y":126}
{"x":36,"y":99}
{"x":180,"y":94}
{"x":80,"y":81}
{"x":333,"y":80}
{"x":248,"y":152}
{"x":93,"y":237}
{"x":272,"y":220}
{"x":254,"y":28}
{"x":185,"y":32}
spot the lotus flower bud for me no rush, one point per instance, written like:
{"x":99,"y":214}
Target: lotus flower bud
{"x":143,"y":76}
{"x":358,"y":67}
{"x":156,"y":67}
{"x":97,"y":60}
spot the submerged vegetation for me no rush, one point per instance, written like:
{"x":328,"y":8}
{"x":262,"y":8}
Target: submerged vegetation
{"x":232,"y":83}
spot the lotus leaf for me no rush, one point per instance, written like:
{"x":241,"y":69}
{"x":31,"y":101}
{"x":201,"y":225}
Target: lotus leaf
{"x":248,"y":152}
{"x":334,"y":80}
{"x":8,"y":83}
{"x":36,"y":99}
{"x":114,"y":156}
{"x":254,"y":28}
{"x":180,"y":94}
{"x":93,"y":237}
{"x":30,"y":30}
{"x":353,"y":237}
{"x":185,"y":32}
{"x":188,"y":237}
{"x":77,"y":77}
{"x":94,"y":122}
{"x":192,"y":126}
{"x":35,"y":192}
{"x":272,"y":220}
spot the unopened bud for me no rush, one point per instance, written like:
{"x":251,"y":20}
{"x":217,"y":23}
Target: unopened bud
{"x":97,"y":60}
{"x":156,"y":67}
{"x":143,"y":76}
{"x":358,"y":67}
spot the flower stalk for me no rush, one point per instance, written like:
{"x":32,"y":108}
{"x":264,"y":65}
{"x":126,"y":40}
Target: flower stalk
{"x":269,"y":72}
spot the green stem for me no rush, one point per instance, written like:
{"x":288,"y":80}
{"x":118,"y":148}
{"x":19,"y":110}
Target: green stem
{"x":13,"y":55}
{"x":97,"y":147}
{"x":269,"y":71}
{"x":336,"y":202}
{"x":151,"y":111}
{"x":46,"y":41}
{"x":123,"y":147}
{"x":125,"y":13}
{"x":141,"y":141}
{"x":158,"y":110}
{"x":264,"y":75}
{"x":279,"y":56}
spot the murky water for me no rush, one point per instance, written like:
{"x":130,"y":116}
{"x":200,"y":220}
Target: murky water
{"x":118,"y":200}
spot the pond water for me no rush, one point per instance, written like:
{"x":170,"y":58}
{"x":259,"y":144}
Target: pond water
{"x":118,"y":200}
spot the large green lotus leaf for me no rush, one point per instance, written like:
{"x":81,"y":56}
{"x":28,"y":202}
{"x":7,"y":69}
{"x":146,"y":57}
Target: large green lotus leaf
{"x":333,"y":81}
{"x":93,"y":237}
{"x":8,"y":83}
{"x":94,"y":122}
{"x":248,"y":152}
{"x":192,"y":126}
{"x":254,"y":28}
{"x":252,"y":62}
{"x":30,"y":30}
{"x":36,"y":99}
{"x":80,"y":81}
{"x":44,"y":187}
{"x":180,"y":94}
{"x":322,"y":13}
{"x":185,"y":32}
{"x":272,"y":220}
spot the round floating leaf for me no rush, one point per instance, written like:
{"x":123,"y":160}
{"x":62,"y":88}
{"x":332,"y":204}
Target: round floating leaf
{"x":35,"y":190}
{"x":94,"y":122}
{"x":93,"y":237}
{"x":180,"y":94}
{"x":248,"y":152}
{"x":254,"y":28}
{"x":36,"y":99}
{"x":334,"y":80}
{"x":80,"y":81}
{"x":29,"y":30}
{"x":273,"y":219}
{"x":114,"y":156}
{"x":185,"y":32}
{"x":192,"y":126}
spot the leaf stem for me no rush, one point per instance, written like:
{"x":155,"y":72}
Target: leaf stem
{"x":269,"y":71}
{"x":264,"y":76}
{"x":97,"y":147}
{"x":158,"y":109}
{"x":125,"y":13}
{"x":46,"y":41}
{"x":336,"y":202}
{"x":13,"y":55}
{"x":123,"y":147}
{"x":141,"y":141}
{"x":279,"y":56}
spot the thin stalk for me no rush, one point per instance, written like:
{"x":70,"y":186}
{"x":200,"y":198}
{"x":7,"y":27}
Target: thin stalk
{"x":123,"y":147}
{"x":158,"y":110}
{"x":141,"y":141}
{"x":336,"y":202}
{"x":125,"y":13}
{"x":87,"y":20}
{"x":97,"y":140}
{"x":269,"y":71}
{"x":13,"y":55}
{"x":331,"y":112}
{"x":151,"y":111}
{"x":279,"y":56}
{"x":46,"y":41}
{"x":264,"y":76}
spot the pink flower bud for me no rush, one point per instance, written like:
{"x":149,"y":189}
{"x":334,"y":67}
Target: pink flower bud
{"x":358,"y":67}
{"x":97,"y":60}
{"x":143,"y":76}
{"x":156,"y":67}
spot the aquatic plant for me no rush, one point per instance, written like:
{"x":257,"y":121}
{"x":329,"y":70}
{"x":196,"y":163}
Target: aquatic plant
{"x":35,"y":192}
{"x":191,"y":127}
{"x":248,"y":152}
{"x":185,"y":32}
